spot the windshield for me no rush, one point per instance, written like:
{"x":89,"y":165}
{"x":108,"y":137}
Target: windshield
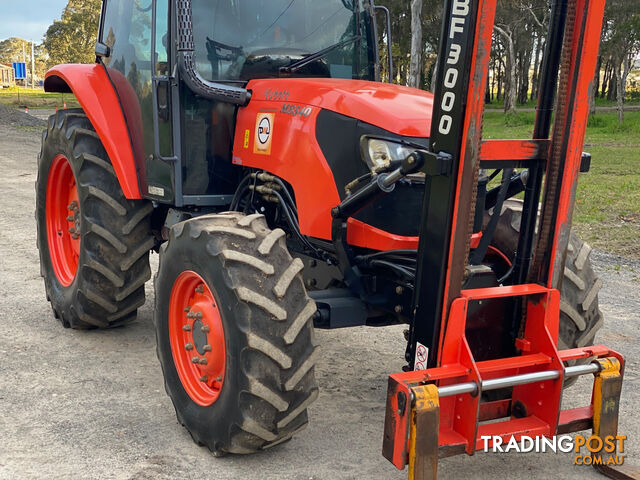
{"x":245,"y":39}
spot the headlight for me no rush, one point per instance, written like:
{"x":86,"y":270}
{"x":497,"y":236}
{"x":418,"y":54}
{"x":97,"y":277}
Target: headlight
{"x":378,"y":154}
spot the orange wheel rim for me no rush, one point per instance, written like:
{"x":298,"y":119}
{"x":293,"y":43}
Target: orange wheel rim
{"x":197,"y":338}
{"x":63,"y":220}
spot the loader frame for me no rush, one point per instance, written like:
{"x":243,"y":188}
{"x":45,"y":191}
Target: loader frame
{"x":439,"y":409}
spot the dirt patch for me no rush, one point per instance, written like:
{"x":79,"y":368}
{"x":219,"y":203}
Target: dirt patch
{"x":16,"y":118}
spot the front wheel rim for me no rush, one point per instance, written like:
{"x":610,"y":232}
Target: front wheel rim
{"x":63,"y":220}
{"x":197,"y":338}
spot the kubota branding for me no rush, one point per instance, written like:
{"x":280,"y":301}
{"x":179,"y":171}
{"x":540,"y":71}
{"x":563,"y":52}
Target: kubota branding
{"x":458,"y":25}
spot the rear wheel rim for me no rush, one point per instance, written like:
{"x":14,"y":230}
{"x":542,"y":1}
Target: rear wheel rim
{"x":197,"y":338}
{"x":63,"y":220}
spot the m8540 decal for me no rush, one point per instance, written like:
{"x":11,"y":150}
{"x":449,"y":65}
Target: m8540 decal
{"x":296,"y":110}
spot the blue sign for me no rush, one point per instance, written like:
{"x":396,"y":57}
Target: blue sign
{"x":20,"y":70}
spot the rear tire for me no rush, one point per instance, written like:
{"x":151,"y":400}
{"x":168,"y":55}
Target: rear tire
{"x":265,"y":379}
{"x":580,"y":316}
{"x":95,"y":262}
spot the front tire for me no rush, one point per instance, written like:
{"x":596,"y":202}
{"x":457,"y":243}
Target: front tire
{"x":94,"y":243}
{"x":234,"y":333}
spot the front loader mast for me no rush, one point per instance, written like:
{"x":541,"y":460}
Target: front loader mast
{"x":439,"y":409}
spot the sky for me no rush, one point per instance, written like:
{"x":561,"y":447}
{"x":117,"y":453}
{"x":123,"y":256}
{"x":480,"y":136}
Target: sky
{"x":28,"y":19}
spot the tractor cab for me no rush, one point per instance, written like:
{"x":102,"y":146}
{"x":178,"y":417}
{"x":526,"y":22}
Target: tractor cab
{"x":181,"y":71}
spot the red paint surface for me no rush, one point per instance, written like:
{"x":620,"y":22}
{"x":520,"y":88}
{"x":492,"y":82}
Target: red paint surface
{"x":360,"y":234}
{"x":91,"y":86}
{"x":401,"y":110}
{"x":191,"y":294}
{"x":64,"y":250}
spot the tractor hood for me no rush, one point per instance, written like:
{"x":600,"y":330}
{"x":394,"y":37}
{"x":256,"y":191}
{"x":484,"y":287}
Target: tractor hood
{"x":400,"y":110}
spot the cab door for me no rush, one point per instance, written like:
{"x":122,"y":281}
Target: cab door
{"x":137,"y":64}
{"x":161,"y":163}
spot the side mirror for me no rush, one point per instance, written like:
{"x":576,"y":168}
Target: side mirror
{"x":102,"y":50}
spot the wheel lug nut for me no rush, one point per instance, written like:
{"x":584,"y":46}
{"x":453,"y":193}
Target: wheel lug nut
{"x":200,"y":289}
{"x":195,"y":360}
{"x":205,"y":329}
{"x":204,"y":379}
{"x":207,"y":348}
{"x":72,"y":230}
{"x":187,"y":328}
{"x":203,"y":361}
{"x":191,"y":315}
{"x":198,"y":315}
{"x":187,"y":309}
{"x":188,"y":346}
{"x":219,"y":379}
{"x":70,"y":218}
{"x":75,"y":236}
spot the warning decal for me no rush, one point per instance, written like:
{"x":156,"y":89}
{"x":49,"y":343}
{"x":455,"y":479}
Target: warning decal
{"x":422,"y":357}
{"x":264,"y":133}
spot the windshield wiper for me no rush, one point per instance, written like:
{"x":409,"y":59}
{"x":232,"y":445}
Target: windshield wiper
{"x":295,"y":66}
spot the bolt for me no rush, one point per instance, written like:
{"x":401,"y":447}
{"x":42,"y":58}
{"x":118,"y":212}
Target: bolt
{"x":72,"y":230}
{"x":311,"y":282}
{"x":75,"y":236}
{"x":195,"y":360}
{"x":399,"y":290}
{"x":205,"y":329}
{"x":207,"y":348}
{"x":191,"y":315}
{"x":188,"y":346}
{"x":198,"y":315}
{"x":70,"y":218}
{"x":219,"y":379}
{"x":398,"y":308}
{"x":187,"y":309}
{"x":204,"y":379}
{"x":200,"y":289}
{"x":186,"y":328}
{"x":203,"y":361}
{"x":73,"y":205}
{"x":312,"y":263}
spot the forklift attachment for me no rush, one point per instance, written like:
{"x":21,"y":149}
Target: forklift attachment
{"x":438,"y":409}
{"x":424,"y":422}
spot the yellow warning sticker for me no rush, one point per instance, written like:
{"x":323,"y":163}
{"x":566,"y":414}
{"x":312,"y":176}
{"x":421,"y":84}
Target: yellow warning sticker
{"x":247,"y":135}
{"x":264,"y":133}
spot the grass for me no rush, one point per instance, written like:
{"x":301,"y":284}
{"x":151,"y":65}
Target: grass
{"x":607,"y":213}
{"x":21,"y":97}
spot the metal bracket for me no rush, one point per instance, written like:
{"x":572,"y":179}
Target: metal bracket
{"x":606,"y":406}
{"x":423,"y":438}
{"x":437,"y":164}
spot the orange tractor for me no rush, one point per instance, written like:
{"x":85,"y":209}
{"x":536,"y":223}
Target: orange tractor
{"x":253,"y":145}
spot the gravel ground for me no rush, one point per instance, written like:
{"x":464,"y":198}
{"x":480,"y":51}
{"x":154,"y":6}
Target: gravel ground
{"x":91,"y":404}
{"x":12,"y":116}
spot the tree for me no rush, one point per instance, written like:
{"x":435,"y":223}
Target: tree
{"x":621,"y":45}
{"x":417,"y":45}
{"x":72,"y":39}
{"x":511,"y":83}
